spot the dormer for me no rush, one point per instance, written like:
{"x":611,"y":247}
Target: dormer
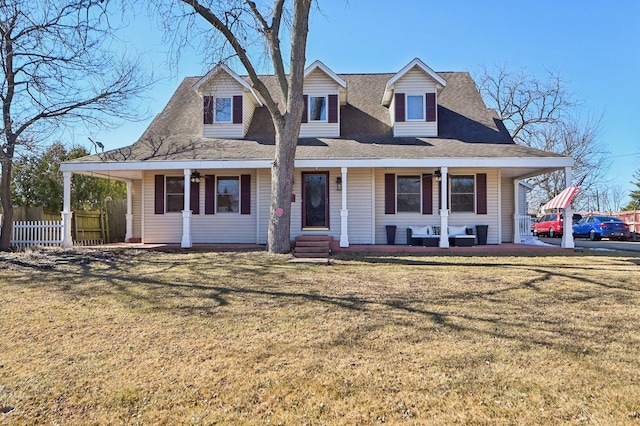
{"x":228,"y":103}
{"x":324,"y":93}
{"x":412,"y":98}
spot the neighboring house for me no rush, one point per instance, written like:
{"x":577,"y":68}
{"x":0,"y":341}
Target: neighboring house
{"x":374,"y":150}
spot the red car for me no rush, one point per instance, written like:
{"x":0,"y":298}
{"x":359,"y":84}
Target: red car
{"x":551,"y":224}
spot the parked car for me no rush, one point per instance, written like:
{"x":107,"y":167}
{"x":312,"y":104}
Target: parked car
{"x":551,"y":224}
{"x":596,"y":227}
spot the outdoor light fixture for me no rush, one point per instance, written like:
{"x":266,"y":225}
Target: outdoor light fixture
{"x":195,"y":177}
{"x":339,"y":183}
{"x":438,"y":174}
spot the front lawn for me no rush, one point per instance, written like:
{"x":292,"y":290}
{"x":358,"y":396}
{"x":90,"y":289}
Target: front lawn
{"x":138,"y":337}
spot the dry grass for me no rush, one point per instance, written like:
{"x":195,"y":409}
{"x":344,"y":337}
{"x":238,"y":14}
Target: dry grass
{"x":134,"y":337}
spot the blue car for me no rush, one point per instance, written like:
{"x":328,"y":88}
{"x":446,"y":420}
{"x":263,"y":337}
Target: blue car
{"x":596,"y":227}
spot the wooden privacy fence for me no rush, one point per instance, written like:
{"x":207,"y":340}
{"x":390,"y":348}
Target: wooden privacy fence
{"x":87,"y":228}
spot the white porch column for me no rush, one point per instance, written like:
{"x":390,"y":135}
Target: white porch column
{"x":129,"y":216}
{"x":567,"y":228}
{"x":344,"y":212}
{"x":516,"y":211}
{"x":66,"y":212}
{"x":186,"y":212}
{"x":444,"y":211}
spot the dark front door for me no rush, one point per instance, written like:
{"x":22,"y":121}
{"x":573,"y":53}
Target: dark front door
{"x":315,"y":200}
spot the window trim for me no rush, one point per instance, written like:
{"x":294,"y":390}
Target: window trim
{"x":167,"y":193}
{"x":215,"y":109}
{"x":407,"y":110}
{"x":419,"y":193}
{"x":237,"y":178}
{"x":310,"y":109}
{"x":475,"y":192}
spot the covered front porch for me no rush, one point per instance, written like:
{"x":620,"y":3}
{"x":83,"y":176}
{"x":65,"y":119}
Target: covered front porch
{"x":355,"y":193}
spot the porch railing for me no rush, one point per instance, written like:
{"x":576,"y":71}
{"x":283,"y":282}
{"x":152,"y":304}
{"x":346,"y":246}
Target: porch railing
{"x":524,"y":227}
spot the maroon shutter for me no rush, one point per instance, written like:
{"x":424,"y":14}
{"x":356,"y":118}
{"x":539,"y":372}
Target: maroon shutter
{"x":305,"y":113}
{"x":194,"y":201}
{"x":237,"y":110}
{"x":333,"y":108}
{"x":208,"y":109}
{"x":389,"y":193}
{"x":481,"y":193}
{"x":245,"y":194}
{"x":431,"y":106}
{"x":209,"y":194}
{"x":159,"y":194}
{"x":399,"y":107}
{"x":427,"y":194}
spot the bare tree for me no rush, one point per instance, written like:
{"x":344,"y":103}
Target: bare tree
{"x":543,"y":115}
{"x":239,"y":30}
{"x":56,"y":70}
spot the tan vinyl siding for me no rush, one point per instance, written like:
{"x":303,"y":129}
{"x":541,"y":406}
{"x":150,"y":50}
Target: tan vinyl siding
{"x":136,"y":207}
{"x":319,"y":84}
{"x":414,"y":82}
{"x":216,"y":228}
{"x":507,"y":210}
{"x":264,"y":202}
{"x":403,"y":220}
{"x":492,"y":218}
{"x":159,"y":228}
{"x":248,"y":108}
{"x":360,"y":204}
{"x":224,"y":86}
{"x":225,"y":227}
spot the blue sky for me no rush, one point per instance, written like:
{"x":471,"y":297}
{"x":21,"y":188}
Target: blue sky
{"x":594,"y":45}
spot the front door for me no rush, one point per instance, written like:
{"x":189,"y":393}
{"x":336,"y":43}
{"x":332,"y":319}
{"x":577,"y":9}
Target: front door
{"x":315,"y":200}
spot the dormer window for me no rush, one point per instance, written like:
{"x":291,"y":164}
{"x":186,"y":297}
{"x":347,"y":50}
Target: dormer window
{"x":318,"y":108}
{"x":415,"y":107}
{"x":223,"y":110}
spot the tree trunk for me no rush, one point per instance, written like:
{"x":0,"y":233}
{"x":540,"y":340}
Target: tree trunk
{"x":282,"y":173}
{"x":287,"y":132}
{"x":7,"y":205}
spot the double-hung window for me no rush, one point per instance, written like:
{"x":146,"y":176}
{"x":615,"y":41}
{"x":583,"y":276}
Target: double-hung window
{"x":415,"y":107}
{"x":317,"y":108}
{"x":228,"y":194}
{"x":222,"y":111}
{"x":175,"y":193}
{"x":408,"y":194}
{"x":463,"y":193}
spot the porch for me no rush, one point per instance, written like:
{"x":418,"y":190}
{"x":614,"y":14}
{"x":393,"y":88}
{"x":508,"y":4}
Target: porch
{"x":505,"y":249}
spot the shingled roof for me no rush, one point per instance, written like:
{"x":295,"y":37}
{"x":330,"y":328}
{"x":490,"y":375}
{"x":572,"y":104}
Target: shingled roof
{"x":466,"y":129}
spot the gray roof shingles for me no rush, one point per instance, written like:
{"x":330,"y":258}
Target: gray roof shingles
{"x":466,"y":129}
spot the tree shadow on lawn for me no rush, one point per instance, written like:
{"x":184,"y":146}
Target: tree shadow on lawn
{"x":548,"y":271}
{"x":259,"y":288}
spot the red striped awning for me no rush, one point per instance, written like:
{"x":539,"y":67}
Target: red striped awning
{"x":563,"y":199}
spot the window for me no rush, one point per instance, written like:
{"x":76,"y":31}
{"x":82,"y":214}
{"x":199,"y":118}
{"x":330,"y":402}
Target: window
{"x":223,"y":110}
{"x":228,"y":194}
{"x":415,"y":107}
{"x":317,"y":108}
{"x":462,"y":194}
{"x":408,"y":194}
{"x":175,"y":193}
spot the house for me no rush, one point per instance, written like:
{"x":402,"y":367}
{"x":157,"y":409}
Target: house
{"x":415,"y":147}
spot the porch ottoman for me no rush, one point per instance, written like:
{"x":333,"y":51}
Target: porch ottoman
{"x":461,"y":236}
{"x":420,"y":236}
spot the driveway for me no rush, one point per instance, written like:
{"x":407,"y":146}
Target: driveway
{"x":602,"y":244}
